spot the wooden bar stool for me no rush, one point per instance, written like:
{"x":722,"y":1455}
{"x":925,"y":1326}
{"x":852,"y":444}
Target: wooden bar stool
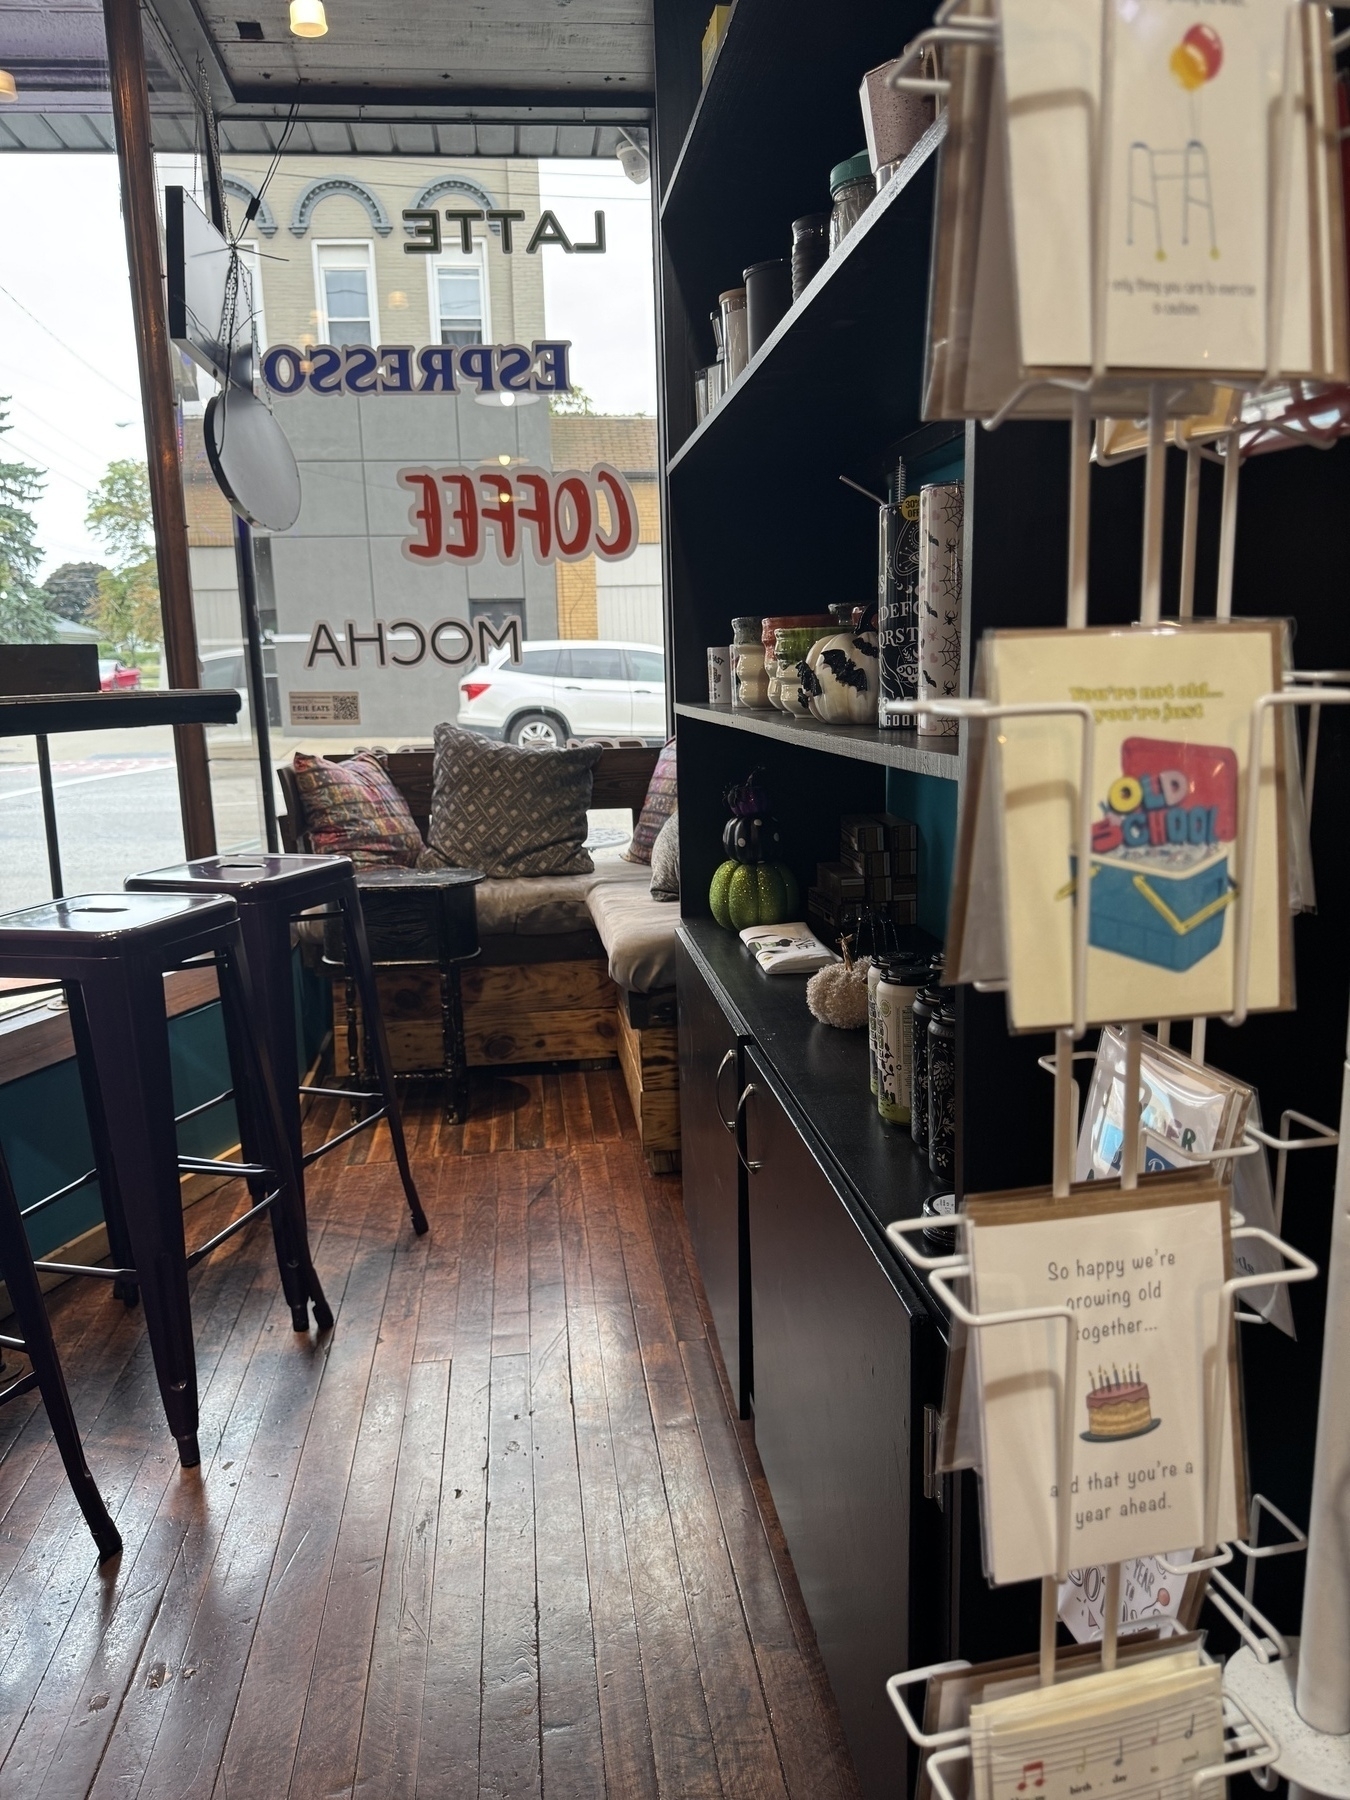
{"x":270,"y":891}
{"x":25,"y":1296}
{"x":111,"y":952}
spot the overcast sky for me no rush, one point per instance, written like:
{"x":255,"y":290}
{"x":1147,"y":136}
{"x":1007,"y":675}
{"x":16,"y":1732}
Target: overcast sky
{"x":67,"y":358}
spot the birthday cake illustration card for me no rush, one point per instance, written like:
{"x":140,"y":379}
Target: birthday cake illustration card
{"x":1171,"y":708}
{"x":1140,"y":1272}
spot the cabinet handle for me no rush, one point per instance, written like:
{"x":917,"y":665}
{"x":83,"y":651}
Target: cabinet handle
{"x":740,"y":1108}
{"x":730,"y":1124}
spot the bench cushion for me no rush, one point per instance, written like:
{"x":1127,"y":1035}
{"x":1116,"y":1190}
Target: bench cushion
{"x":545,"y":905}
{"x":638,"y":932}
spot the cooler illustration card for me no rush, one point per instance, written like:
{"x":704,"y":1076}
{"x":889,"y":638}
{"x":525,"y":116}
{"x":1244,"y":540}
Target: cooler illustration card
{"x":1141,"y":1273}
{"x":1171,"y":708}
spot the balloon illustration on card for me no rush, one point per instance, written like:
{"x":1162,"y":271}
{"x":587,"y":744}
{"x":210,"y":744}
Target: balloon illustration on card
{"x":1197,"y":58}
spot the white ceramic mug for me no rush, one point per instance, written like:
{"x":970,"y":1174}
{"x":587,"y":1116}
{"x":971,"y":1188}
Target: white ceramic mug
{"x":719,"y":668}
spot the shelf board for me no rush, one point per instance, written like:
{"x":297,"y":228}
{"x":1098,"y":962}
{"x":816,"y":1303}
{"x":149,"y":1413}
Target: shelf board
{"x":939,"y":757}
{"x":824,"y":1073}
{"x":835,"y":370}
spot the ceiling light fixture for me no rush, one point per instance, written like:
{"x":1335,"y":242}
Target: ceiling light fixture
{"x":632,"y":152}
{"x":308,"y":19}
{"x":504,"y":397}
{"x":9,"y":88}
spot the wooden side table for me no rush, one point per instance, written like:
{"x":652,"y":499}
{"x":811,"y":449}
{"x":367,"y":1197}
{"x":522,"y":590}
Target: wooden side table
{"x":419,"y":918}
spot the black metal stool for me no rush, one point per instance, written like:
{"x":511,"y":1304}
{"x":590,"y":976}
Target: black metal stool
{"x":111,"y":952}
{"x":25,"y":1296}
{"x":269,"y":892}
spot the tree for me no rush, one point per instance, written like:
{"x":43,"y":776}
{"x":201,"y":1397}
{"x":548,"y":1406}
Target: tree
{"x":575,"y":404}
{"x":125,"y":608}
{"x":119,"y":513}
{"x":70,"y":590}
{"x":24,"y":618}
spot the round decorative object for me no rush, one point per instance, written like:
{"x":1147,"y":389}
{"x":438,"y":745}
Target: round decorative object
{"x":747,"y":799}
{"x":751,"y":839}
{"x":745,"y":894}
{"x":837,"y":994}
{"x":252,"y":459}
{"x":847,"y":677}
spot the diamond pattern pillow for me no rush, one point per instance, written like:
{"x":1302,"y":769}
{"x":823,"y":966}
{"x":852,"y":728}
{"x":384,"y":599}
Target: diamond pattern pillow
{"x":508,"y":811}
{"x":656,"y":808}
{"x":353,"y":809}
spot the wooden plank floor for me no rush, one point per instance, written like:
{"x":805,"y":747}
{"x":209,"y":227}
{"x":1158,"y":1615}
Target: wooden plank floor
{"x":496,"y":1535}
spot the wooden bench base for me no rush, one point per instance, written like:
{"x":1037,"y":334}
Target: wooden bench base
{"x":530,"y":1013}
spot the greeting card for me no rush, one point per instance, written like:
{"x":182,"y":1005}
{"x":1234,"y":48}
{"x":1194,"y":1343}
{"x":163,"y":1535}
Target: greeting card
{"x":1143,"y":1730}
{"x":1171,"y":708}
{"x":1141,"y":1273}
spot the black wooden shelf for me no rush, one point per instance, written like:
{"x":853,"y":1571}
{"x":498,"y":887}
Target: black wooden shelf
{"x":823,"y":1072}
{"x":863,"y":743}
{"x":839,"y":377}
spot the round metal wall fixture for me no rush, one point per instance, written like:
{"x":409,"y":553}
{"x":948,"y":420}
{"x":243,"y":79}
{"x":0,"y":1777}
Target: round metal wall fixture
{"x":252,"y":459}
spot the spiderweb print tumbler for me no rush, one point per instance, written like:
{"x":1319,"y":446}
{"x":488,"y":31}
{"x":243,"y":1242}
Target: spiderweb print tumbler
{"x":897,"y":600}
{"x":939,"y":600}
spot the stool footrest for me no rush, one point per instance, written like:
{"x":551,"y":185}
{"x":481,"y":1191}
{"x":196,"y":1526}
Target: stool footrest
{"x":10,"y":1343}
{"x":206,"y":1105}
{"x":101,"y":1274}
{"x":25,"y":1384}
{"x":341,"y":1093}
{"x":214,"y":1243}
{"x":210,"y":1165}
{"x":381,"y":1112}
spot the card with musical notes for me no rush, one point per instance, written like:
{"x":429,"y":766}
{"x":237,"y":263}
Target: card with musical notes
{"x":1141,"y":1731}
{"x":1140,"y":1274}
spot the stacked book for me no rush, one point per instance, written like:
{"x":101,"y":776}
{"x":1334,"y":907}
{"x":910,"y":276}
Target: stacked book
{"x":877,"y":872}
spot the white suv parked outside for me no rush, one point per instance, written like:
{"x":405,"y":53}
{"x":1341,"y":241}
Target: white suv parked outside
{"x":567,"y":688}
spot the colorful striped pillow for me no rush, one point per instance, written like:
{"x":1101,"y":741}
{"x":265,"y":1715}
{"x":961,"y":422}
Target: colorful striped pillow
{"x":656,"y":808}
{"x":353,"y":809}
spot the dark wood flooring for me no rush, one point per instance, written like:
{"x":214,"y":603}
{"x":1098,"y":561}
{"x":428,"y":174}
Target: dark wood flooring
{"x":495,"y":1535}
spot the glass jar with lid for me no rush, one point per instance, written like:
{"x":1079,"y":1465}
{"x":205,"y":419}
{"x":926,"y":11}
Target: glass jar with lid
{"x":853,"y":187}
{"x":735,"y":333}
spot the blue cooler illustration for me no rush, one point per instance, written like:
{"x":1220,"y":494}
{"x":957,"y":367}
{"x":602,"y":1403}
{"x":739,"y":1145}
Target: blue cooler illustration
{"x":1161,"y":884}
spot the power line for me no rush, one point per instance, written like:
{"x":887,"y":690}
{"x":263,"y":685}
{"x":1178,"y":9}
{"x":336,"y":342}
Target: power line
{"x":69,"y":349}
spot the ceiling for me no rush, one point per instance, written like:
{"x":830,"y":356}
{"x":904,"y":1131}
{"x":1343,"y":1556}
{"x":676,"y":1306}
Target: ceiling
{"x":458,"y":77}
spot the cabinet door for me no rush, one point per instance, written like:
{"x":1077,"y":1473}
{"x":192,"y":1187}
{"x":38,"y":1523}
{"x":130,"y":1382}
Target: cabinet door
{"x":714,"y":1199}
{"x":832,"y":1424}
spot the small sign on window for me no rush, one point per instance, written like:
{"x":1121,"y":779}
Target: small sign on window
{"x":325,"y":709}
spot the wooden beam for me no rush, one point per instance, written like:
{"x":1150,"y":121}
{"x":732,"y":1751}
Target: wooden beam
{"x":135,"y":159}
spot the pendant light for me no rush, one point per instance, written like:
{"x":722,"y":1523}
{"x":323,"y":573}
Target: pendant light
{"x":308,"y":19}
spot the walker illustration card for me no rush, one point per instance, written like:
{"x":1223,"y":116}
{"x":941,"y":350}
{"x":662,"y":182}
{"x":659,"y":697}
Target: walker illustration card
{"x":1171,"y":709}
{"x":1141,"y":1272}
{"x":1193,"y":116}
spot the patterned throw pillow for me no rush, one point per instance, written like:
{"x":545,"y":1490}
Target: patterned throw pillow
{"x":656,"y":808}
{"x":508,"y":811}
{"x":353,"y":809}
{"x":666,"y":860}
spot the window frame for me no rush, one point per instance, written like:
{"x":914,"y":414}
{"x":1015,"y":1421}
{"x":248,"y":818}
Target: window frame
{"x":367,"y":247}
{"x":452,"y":256}
{"x":250,"y":255}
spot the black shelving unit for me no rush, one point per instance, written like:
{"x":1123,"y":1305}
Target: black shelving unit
{"x":757,"y":521}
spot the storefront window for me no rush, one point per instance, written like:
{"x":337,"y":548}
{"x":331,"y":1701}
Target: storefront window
{"x":455,"y":503}
{"x":76,"y":497}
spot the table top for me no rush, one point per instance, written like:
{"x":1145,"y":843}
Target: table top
{"x":417,"y":880}
{"x":22,"y":715}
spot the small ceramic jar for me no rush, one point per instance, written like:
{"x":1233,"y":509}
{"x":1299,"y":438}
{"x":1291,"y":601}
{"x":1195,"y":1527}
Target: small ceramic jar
{"x":770,"y":627}
{"x":752,"y":680}
{"x":792,"y":645}
{"x":748,"y":629}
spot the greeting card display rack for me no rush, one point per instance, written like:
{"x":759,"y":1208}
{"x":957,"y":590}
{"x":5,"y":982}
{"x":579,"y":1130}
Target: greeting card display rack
{"x":1285,"y":1714}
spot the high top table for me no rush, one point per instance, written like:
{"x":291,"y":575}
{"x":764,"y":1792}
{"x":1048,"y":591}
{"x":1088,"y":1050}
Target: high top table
{"x":41,"y":715}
